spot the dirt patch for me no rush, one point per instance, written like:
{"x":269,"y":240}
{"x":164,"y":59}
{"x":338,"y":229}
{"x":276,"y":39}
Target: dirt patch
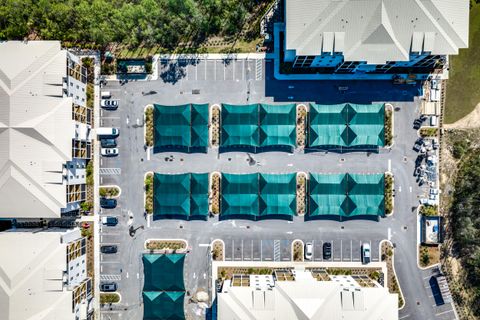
{"x":298,"y":251}
{"x":471,"y":120}
{"x":428,"y":255}
{"x":217,"y":250}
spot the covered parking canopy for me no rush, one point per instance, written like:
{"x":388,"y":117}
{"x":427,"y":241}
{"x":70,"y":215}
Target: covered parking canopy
{"x":239,"y":126}
{"x":258,"y":196}
{"x":239,"y":196}
{"x":277,"y":196}
{"x":181,"y":128}
{"x":166,"y":305}
{"x":277,"y":125}
{"x":345,"y":196}
{"x":163,"y":289}
{"x":346,"y":127}
{"x":163,"y":272}
{"x":258,"y":127}
{"x":180,"y":196}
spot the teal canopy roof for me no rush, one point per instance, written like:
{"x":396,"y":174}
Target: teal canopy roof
{"x":258,"y":125}
{"x":163,"y":272}
{"x":181,"y":126}
{"x":258,"y":196}
{"x":183,"y":196}
{"x":166,"y":305}
{"x":346,"y":195}
{"x":346,"y":126}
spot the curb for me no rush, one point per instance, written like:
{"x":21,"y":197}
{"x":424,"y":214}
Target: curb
{"x":223,"y":244}
{"x":394,"y":272}
{"x":155,"y":239}
{"x":111,"y":186}
{"x":303,"y":246}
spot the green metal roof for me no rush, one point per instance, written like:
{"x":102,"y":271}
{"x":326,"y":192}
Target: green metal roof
{"x":239,"y":125}
{"x":182,"y":126}
{"x":277,"y":125}
{"x":163,"y":272}
{"x":346,"y":126}
{"x":346,"y":195}
{"x":163,"y":305}
{"x":239,"y":195}
{"x":277,"y":195}
{"x":180,"y":195}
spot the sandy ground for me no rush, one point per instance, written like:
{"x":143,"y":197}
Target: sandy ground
{"x":471,"y":120}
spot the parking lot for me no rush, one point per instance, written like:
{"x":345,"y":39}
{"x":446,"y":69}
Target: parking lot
{"x":240,"y":82}
{"x":281,"y":250}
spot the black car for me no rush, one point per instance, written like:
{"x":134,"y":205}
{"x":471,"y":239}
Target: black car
{"x":108,"y":203}
{"x":108,"y":143}
{"x":327,"y":250}
{"x":108,"y":287}
{"x":108,"y":249}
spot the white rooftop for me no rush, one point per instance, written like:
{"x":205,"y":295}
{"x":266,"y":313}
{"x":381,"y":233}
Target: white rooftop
{"x":306,"y":299}
{"x":36,"y":129}
{"x":376,"y":31}
{"x":31,"y":271}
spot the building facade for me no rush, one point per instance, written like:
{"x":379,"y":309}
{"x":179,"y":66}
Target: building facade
{"x":373,"y":36}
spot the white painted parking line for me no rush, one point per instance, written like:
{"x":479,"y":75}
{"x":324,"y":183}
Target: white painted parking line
{"x":410,"y":188}
{"x":148,"y":153}
{"x":127,"y":274}
{"x":290,"y":165}
{"x":204,"y":244}
{"x":403,"y":317}
{"x":138,"y":275}
{"x":111,"y":277}
{"x":148,"y":220}
{"x":110,"y":171}
{"x":389,"y":234}
{"x":444,"y":312}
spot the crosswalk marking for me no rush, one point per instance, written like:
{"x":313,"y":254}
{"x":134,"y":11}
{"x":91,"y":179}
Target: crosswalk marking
{"x":110,"y":277}
{"x":258,"y":69}
{"x":276,"y":250}
{"x":110,"y":171}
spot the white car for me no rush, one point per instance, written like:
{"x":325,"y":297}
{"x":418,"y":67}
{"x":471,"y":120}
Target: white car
{"x":109,"y":104}
{"x":366,"y":253}
{"x":109,"y":152}
{"x":308,"y":251}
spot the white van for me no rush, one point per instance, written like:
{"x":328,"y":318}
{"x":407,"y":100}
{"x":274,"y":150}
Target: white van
{"x":107,"y":132}
{"x":106,"y":95}
{"x":433,"y":121}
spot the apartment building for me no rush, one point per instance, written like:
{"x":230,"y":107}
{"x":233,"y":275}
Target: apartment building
{"x":44,"y":276}
{"x":45,"y":130}
{"x":301,"y":296}
{"x":373,"y":36}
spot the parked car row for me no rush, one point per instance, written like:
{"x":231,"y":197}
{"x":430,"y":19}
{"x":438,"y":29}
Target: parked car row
{"x":327,"y":251}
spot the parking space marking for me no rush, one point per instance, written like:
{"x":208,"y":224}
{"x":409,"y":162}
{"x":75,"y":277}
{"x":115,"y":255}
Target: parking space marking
{"x":110,"y":277}
{"x":105,"y":171}
{"x":444,"y":312}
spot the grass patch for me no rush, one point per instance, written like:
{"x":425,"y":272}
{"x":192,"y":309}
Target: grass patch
{"x":463,"y":92}
{"x":428,"y":132}
{"x":149,"y":193}
{"x":89,"y":171}
{"x":165,"y":245}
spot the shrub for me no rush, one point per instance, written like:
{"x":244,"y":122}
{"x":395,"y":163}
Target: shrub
{"x":86,"y":206}
{"x":89,"y":171}
{"x":149,"y":193}
{"x":427,"y":210}
{"x":109,"y":298}
{"x":149,"y":127}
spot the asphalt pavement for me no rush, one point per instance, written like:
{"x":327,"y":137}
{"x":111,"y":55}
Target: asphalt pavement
{"x":216,"y":81}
